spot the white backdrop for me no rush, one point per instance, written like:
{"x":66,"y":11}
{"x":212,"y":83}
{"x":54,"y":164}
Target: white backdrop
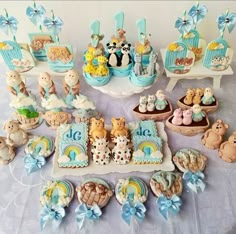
{"x":160,"y":15}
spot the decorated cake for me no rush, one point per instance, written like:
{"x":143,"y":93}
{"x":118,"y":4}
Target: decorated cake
{"x":147,"y":143}
{"x":153,"y":107}
{"x":188,"y":122}
{"x":204,"y":97}
{"x":71,"y":145}
{"x":17,"y":56}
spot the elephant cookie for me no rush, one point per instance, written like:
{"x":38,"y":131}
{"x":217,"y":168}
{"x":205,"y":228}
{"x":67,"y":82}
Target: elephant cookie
{"x":166,"y":183}
{"x":94,"y":191}
{"x":189,"y":160}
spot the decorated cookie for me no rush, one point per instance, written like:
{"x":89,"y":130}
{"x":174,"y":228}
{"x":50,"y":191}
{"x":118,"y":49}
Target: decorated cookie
{"x":203,"y":97}
{"x":54,"y":197}
{"x":167,"y":186}
{"x":219,"y":54}
{"x":227,"y":149}
{"x":37,"y":149}
{"x":17,"y":56}
{"x":100,"y":151}
{"x":71,"y":145}
{"x":118,"y":127}
{"x":147,"y":145}
{"x":36,"y":15}
{"x":16,"y":136}
{"x":132,"y":193}
{"x":213,"y":137}
{"x":121,"y":152}
{"x":188,"y":122}
{"x":93,"y":194}
{"x":7,"y":153}
{"x":97,"y":129}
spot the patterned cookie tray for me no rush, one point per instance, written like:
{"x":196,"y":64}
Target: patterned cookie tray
{"x":166,"y":165}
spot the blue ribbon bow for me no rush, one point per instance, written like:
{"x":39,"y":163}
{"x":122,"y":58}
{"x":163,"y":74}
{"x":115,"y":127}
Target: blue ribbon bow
{"x":36,"y":14}
{"x":54,"y":214}
{"x":227,"y":20}
{"x":53,"y":25}
{"x":130,"y":210}
{"x":8,"y":23}
{"x":33,"y":163}
{"x":183,"y":25}
{"x":83,"y":213}
{"x":195,"y":181}
{"x":167,"y":205}
{"x":197,"y":13}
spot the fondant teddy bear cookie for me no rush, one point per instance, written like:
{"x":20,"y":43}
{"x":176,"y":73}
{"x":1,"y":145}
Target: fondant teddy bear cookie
{"x":118,"y":127}
{"x":7,"y":153}
{"x":227,"y":149}
{"x":213,"y":137}
{"x":15,"y":135}
{"x":188,"y":100}
{"x":97,"y":129}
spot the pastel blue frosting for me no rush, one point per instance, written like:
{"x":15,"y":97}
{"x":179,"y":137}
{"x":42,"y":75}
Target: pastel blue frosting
{"x":142,"y":126}
{"x":121,"y":71}
{"x":83,"y":163}
{"x":194,"y":41}
{"x":96,"y":81}
{"x":142,"y":81}
{"x":57,"y":65}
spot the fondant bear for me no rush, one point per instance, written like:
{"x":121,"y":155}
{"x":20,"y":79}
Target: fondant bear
{"x":15,"y":135}
{"x":125,"y":58}
{"x":227,"y":149}
{"x":113,"y":58}
{"x":97,"y":129}
{"x":177,"y":119}
{"x":213,"y":137}
{"x":187,"y":117}
{"x":188,"y":100}
{"x":118,"y":127}
{"x":197,"y":97}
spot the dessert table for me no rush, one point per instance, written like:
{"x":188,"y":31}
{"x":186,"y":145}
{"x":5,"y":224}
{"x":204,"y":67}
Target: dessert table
{"x":212,"y":211}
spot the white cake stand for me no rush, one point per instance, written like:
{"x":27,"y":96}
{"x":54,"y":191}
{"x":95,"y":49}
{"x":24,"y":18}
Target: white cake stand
{"x":198,"y":71}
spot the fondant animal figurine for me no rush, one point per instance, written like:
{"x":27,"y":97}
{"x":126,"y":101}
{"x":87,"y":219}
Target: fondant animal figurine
{"x":7,"y":153}
{"x":138,"y":67}
{"x":198,"y":95}
{"x":160,"y":102}
{"x":125,"y":58}
{"x":145,"y":46}
{"x":208,"y":97}
{"x":71,"y":86}
{"x":97,"y":129}
{"x":113,"y":58}
{"x":151,"y":102}
{"x":220,"y":63}
{"x":227,"y":149}
{"x":100,"y":151}
{"x":197,"y":114}
{"x":188,"y":100}
{"x":15,"y":135}
{"x":55,"y":119}
{"x":118,"y":127}
{"x":213,"y":137}
{"x":177,"y":117}
{"x":46,"y":85}
{"x":102,"y":69}
{"x":89,"y":67}
{"x":142,"y":104}
{"x":187,"y":117}
{"x":121,"y":152}
{"x":15,"y":85}
{"x":151,"y":68}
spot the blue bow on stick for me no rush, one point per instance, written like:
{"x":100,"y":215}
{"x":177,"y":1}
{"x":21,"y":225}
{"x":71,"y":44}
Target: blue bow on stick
{"x":36,"y":14}
{"x":169,"y":205}
{"x":183,"y":25}
{"x":54,"y":214}
{"x":197,"y":12}
{"x":33,"y":163}
{"x":53,"y":25}
{"x":7,"y":24}
{"x":227,"y":20}
{"x":130,"y":210}
{"x":83,"y":213}
{"x":195,"y":181}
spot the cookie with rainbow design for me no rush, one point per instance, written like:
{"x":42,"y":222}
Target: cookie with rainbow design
{"x":131,"y":189}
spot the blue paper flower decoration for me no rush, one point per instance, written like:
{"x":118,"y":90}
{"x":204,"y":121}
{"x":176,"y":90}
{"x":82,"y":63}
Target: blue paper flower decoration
{"x":227,"y":20}
{"x":197,"y":13}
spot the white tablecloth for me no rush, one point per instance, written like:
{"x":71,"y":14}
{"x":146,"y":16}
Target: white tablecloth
{"x":213,"y":211}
